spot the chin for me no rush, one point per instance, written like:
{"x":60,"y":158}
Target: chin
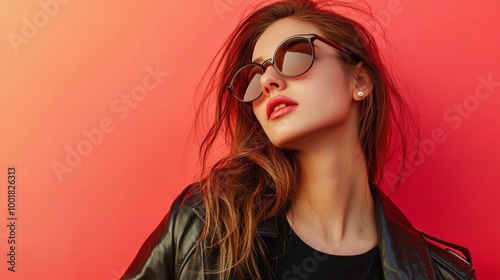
{"x":284,"y":143}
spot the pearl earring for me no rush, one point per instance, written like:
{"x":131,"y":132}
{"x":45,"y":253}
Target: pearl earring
{"x":360,"y":94}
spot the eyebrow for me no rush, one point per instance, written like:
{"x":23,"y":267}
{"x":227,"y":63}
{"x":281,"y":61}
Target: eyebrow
{"x":258,"y":59}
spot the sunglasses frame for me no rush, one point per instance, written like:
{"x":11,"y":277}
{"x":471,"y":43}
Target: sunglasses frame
{"x":310,"y":38}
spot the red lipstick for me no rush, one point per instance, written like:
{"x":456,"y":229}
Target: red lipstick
{"x":279,"y":106}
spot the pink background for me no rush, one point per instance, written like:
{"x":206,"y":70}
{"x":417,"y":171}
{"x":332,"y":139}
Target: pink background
{"x":78,"y":70}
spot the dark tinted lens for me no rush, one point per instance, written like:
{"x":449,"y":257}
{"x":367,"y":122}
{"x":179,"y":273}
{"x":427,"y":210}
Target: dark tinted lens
{"x":294,"y":57}
{"x":246,"y":83}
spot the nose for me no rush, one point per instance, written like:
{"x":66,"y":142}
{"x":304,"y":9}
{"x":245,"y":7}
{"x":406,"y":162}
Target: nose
{"x":271,"y":80}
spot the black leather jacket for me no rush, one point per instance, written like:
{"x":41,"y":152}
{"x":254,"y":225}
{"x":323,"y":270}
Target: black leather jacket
{"x":407,"y":253}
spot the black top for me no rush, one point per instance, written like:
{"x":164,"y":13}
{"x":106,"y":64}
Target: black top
{"x":292,"y":259}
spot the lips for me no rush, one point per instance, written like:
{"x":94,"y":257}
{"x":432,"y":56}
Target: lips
{"x":279,"y":106}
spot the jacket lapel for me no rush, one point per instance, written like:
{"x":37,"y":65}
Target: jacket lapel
{"x":403,"y":250}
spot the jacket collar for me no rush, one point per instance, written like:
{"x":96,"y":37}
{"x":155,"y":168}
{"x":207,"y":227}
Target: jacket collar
{"x":403,"y":250}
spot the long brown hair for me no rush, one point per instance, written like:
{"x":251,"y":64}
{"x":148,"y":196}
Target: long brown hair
{"x":255,"y":180}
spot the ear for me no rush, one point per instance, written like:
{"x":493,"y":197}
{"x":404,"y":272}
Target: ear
{"x":362,"y":84}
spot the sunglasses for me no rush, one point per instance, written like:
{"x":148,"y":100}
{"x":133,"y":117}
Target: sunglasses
{"x":292,"y":58}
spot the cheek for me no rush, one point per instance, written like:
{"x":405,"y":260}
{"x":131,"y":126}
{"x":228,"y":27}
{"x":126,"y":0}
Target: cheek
{"x":329,"y":97}
{"x":330,"y":87}
{"x":259,"y":110}
{"x":335,"y":78}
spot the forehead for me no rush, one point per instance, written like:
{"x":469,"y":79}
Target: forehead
{"x":279,"y":31}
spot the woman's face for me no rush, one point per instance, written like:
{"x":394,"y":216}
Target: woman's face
{"x":319,"y":102}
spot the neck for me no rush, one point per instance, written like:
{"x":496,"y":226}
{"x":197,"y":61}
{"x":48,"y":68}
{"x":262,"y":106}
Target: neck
{"x":333,"y":207}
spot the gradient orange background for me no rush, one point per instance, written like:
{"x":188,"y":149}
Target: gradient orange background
{"x":68,"y":67}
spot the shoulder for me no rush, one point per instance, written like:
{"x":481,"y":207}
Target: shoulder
{"x":169,"y":250}
{"x":189,"y":201}
{"x":450,"y":260}
{"x":188,"y":211}
{"x":186,"y":224}
{"x":430,"y":256}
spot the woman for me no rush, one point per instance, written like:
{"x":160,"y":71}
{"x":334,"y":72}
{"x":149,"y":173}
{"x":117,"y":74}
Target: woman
{"x":309,"y":112}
